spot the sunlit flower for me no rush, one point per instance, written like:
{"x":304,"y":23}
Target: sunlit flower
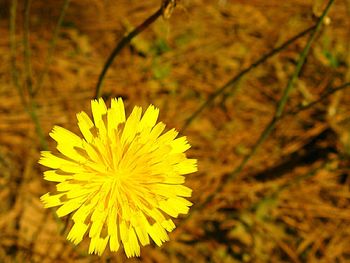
{"x":122,"y":181}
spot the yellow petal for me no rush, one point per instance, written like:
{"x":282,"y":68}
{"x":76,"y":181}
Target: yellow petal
{"x":70,"y":152}
{"x":77,"y":232}
{"x":156,"y":131}
{"x":187,"y":166}
{"x":168,"y":225}
{"x":85,"y":125}
{"x":82,"y":213}
{"x":140,"y":229}
{"x":70,"y":206}
{"x":168,"y":137}
{"x":51,"y":200}
{"x":98,"y":219}
{"x":118,"y":106}
{"x":98,"y":245}
{"x":123,"y":231}
{"x":131,"y":126}
{"x":149,"y":118}
{"x":175,"y":206}
{"x":179,"y":145}
{"x":49,"y":160}
{"x":113,"y":230}
{"x":98,"y":110}
{"x":157,"y":233}
{"x":172,"y":190}
{"x":131,"y":247}
{"x":173,"y":178}
{"x":64,"y":136}
{"x":56,"y":176}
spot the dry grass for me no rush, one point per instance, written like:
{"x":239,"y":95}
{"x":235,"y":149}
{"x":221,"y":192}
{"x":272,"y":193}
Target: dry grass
{"x":289,"y":204}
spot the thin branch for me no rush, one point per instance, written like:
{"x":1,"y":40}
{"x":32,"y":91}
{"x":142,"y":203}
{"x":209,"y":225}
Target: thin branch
{"x":237,"y":77}
{"x":323,"y":96}
{"x":52,"y":46}
{"x":14,"y":70}
{"x":122,"y":43}
{"x":32,"y":110}
{"x":27,"y":53}
{"x":279,"y":110}
{"x":30,"y":106}
{"x":285,"y":95}
{"x":290,"y":183}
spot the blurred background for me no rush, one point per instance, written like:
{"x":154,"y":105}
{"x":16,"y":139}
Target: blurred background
{"x":288,"y":203}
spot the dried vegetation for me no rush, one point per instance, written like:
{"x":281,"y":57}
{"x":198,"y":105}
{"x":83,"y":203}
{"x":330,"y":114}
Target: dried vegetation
{"x":290,"y":203}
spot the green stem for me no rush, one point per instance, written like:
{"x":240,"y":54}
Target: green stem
{"x":122,"y":43}
{"x":291,"y":183}
{"x":52,"y":46}
{"x":279,"y":110}
{"x":32,"y":111}
{"x":323,"y":96}
{"x":240,"y":75}
{"x":14,"y":70}
{"x":30,"y":106}
{"x":27,"y":53}
{"x":280,"y":107}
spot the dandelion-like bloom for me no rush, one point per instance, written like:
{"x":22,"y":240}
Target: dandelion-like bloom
{"x":123,"y":180}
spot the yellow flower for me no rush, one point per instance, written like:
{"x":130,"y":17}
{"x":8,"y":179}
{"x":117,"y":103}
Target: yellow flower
{"x":123,"y":180}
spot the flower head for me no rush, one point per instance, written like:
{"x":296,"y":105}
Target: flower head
{"x":122,"y":181}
